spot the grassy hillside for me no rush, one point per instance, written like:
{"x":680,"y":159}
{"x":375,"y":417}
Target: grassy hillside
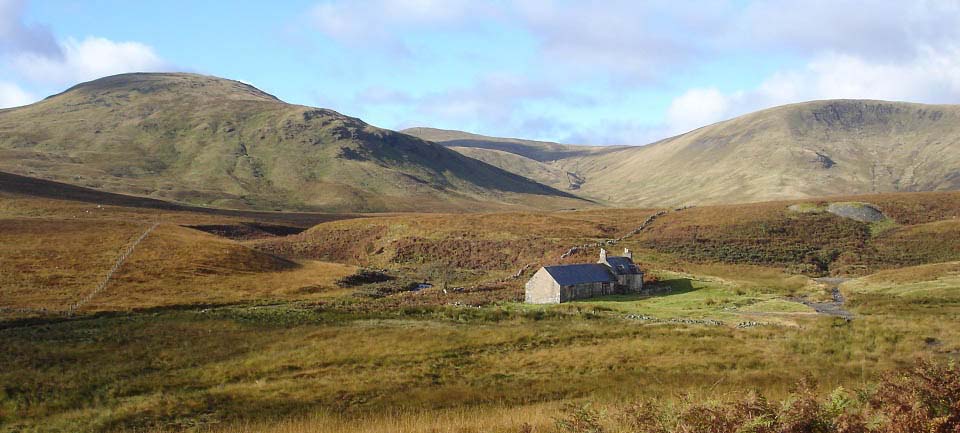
{"x":542,"y":151}
{"x":204,"y":140}
{"x":458,"y":249}
{"x":53,"y":263}
{"x":204,"y":333}
{"x":544,"y":172}
{"x":809,"y":149}
{"x":920,"y":228}
{"x":27,"y":196}
{"x":798,"y":237}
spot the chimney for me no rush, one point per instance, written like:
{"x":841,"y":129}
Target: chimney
{"x":628,"y":254}
{"x":603,"y":255}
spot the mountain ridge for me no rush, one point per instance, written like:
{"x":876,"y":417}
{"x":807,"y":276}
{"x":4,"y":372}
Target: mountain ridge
{"x":204,"y":140}
{"x":807,"y":149}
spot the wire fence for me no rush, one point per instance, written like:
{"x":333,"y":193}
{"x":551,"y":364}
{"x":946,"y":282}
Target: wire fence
{"x":116,"y":266}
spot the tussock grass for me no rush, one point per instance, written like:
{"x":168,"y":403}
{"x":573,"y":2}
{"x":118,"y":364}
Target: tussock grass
{"x":922,"y":397}
{"x":247,"y":363}
{"x":275,"y":339}
{"x":50,"y":264}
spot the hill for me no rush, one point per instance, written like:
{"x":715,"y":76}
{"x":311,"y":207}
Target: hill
{"x":542,"y":151}
{"x":811,"y":149}
{"x":209,"y":141}
{"x":27,"y":196}
{"x":53,"y":264}
{"x":538,"y":160}
{"x":201,"y":332}
{"x":794,"y":237}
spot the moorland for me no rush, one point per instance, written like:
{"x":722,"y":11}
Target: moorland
{"x":188,"y":253}
{"x":252,"y":321}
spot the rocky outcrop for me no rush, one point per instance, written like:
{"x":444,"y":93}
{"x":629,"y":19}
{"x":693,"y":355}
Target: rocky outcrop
{"x":863,"y":212}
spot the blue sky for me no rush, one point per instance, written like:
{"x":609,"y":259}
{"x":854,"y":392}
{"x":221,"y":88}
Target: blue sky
{"x":607,"y":72}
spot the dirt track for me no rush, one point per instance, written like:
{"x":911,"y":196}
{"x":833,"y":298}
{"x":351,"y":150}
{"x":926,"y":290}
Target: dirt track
{"x":834,"y":307}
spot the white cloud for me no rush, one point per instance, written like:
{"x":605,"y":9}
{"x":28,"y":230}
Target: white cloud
{"x":696,"y":108}
{"x":12,"y":95}
{"x":88,"y":59}
{"x":379,"y":21}
{"x":872,"y":29}
{"x":932,"y":76}
{"x":500,"y":102}
{"x":619,"y":38}
{"x":16,"y":35}
{"x":881,"y":49}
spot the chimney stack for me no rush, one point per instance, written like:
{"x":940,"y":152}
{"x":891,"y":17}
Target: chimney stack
{"x":603,"y":254}
{"x":628,"y":254}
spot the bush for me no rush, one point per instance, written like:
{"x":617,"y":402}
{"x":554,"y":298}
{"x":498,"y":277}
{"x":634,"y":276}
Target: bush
{"x":582,"y":419}
{"x":923,"y":398}
{"x":364,"y":276}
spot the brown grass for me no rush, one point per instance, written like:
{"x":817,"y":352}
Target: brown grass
{"x":478,"y":242}
{"x":282,"y":342}
{"x":913,"y":274}
{"x":917,"y":244}
{"x":51,"y":264}
{"x":463,"y":420}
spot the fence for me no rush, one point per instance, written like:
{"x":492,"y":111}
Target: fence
{"x":116,"y":266}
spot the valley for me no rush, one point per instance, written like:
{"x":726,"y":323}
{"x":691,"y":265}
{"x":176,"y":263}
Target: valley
{"x":399,"y":216}
{"x":181,"y":252}
{"x":810,"y":149}
{"x":226,"y":329}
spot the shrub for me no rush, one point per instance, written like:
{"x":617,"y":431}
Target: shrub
{"x":582,"y":419}
{"x":923,"y":398}
{"x":364,"y":276}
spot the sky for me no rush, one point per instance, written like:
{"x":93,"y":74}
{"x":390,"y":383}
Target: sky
{"x":601,"y":72}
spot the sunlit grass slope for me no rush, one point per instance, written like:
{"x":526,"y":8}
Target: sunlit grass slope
{"x":51,"y":264}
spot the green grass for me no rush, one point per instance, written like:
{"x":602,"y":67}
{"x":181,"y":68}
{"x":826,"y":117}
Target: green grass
{"x":777,"y":306}
{"x":285,"y":343}
{"x":685,"y":296}
{"x":215,"y":142}
{"x":880,"y":227}
{"x":808,"y":208}
{"x":178,"y":368}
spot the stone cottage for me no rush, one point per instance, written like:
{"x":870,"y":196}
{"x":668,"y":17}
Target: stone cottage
{"x":562,"y":283}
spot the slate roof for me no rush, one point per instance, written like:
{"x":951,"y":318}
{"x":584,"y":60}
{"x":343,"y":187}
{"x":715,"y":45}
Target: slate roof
{"x":568,"y":275}
{"x":622,"y":265}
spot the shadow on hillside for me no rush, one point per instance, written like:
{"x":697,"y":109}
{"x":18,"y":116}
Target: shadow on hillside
{"x":677,"y":286}
{"x":674,"y":286}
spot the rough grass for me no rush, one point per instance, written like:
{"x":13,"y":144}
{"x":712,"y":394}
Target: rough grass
{"x":922,"y":228}
{"x":213,"y":142}
{"x":473,"y":242}
{"x":464,"y":420}
{"x":372,"y":363}
{"x":916,"y":244}
{"x":282,"y":342}
{"x":50,"y":264}
{"x":923,"y":397}
{"x":937,"y":281}
{"x":179,"y":369}
{"x":912,"y":274}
